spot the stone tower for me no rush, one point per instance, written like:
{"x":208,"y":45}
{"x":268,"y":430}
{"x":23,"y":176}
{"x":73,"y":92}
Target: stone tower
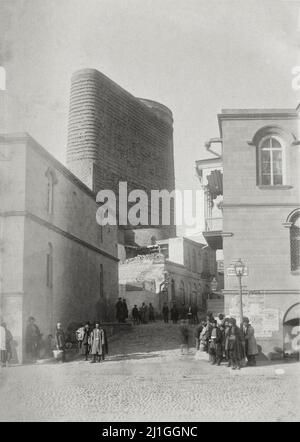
{"x":114,"y":136}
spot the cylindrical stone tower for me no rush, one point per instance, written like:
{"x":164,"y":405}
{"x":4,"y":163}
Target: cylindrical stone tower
{"x":114,"y":136}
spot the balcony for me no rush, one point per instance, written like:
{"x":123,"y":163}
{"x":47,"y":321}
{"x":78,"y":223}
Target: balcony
{"x":213,"y":232}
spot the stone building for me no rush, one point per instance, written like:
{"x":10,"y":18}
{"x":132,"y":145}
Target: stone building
{"x":115,"y":137}
{"x":253,"y":212}
{"x":174,"y":270}
{"x":56,"y":262}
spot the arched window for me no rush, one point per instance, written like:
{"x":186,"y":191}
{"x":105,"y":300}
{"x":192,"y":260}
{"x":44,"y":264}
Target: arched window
{"x":50,"y":187}
{"x":295,"y":241}
{"x":271,"y":157}
{"x":49,"y":266}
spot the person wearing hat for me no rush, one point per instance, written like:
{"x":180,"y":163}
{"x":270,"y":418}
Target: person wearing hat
{"x":98,"y":343}
{"x":250,"y":342}
{"x":215,"y":344}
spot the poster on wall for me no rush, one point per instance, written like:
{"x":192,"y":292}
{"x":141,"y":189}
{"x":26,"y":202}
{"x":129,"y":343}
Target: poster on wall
{"x":264,"y":320}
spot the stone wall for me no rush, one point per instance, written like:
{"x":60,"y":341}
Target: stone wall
{"x":118,"y":137}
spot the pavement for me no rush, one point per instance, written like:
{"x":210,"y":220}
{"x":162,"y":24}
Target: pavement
{"x":145,"y":378}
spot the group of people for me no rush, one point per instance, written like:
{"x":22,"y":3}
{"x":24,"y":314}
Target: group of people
{"x":92,"y":341}
{"x":144,"y":314}
{"x":6,"y":342}
{"x":190,"y":313}
{"x":224,"y":340}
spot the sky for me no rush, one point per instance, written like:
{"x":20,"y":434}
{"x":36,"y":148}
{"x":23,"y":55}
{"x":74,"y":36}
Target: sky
{"x":194,"y":56}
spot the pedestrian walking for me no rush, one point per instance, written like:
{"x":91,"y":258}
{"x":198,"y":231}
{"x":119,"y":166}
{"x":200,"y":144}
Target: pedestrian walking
{"x":189,"y":314}
{"x":97,"y":342}
{"x":174,"y":314}
{"x":32,"y":339}
{"x":165,"y":313}
{"x":85,"y":346}
{"x":250,"y":342}
{"x":184,"y":334}
{"x":60,"y":341}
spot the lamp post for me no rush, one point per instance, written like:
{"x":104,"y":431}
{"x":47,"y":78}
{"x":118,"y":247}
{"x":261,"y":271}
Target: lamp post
{"x":239,"y":268}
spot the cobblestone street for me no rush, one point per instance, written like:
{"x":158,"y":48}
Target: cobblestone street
{"x":146,"y":379}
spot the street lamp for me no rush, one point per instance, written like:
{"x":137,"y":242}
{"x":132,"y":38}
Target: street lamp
{"x":239,"y":268}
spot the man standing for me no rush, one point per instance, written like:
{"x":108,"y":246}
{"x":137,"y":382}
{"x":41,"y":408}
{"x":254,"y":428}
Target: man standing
{"x":174,"y":314}
{"x":32,"y":338}
{"x":151,"y":313}
{"x":97,"y":340}
{"x":119,"y":310}
{"x":250,"y":342}
{"x":85,"y":346}
{"x":165,"y":313}
{"x":135,"y":315}
{"x":60,"y":341}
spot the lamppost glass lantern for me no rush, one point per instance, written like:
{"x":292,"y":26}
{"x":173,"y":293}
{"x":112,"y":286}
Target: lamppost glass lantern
{"x":239,"y":268}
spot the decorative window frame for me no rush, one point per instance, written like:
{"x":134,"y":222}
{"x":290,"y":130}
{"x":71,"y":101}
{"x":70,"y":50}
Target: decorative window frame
{"x":286,"y":139}
{"x":259,"y":165}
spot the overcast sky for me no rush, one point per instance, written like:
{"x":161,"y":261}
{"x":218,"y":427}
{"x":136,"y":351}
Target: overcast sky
{"x":195,"y":56}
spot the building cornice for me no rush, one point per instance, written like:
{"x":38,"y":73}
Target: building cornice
{"x":59,"y":231}
{"x":256,"y":114}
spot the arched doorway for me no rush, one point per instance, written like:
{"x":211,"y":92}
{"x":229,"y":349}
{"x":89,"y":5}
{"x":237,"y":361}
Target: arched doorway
{"x":291,"y":331}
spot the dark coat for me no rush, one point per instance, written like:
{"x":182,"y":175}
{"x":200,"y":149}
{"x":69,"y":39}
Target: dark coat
{"x":235,"y":342}
{"x":119,"y":310}
{"x":250,"y":341}
{"x":174,"y":314}
{"x":60,"y":339}
{"x":165,"y":310}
